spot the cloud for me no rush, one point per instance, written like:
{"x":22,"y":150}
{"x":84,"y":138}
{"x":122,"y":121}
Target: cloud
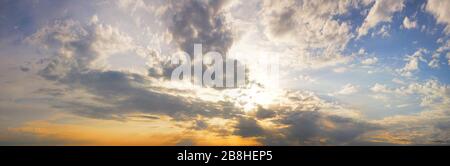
{"x":448,"y":58}
{"x":306,"y":78}
{"x":78,"y":47}
{"x":433,"y":94}
{"x":398,"y":81}
{"x":248,"y":127}
{"x":434,"y":62}
{"x":439,"y":9}
{"x":19,"y":138}
{"x":383,"y":32}
{"x":441,"y":50}
{"x":263,"y":113}
{"x":380,"y":88}
{"x":347,"y":89}
{"x":340,"y":69}
{"x":408,"y":24}
{"x":412,"y":63}
{"x":317,"y":39}
{"x":195,"y":22}
{"x":126,"y":93}
{"x":202,"y":22}
{"x":305,"y":120}
{"x":381,"y":11}
{"x":422,"y":127}
{"x":314,"y":128}
{"x":370,"y":61}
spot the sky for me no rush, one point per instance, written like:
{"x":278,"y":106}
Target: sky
{"x":349,"y":72}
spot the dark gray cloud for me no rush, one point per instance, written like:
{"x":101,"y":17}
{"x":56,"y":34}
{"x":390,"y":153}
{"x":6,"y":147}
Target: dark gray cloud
{"x":16,"y":138}
{"x":283,"y":22}
{"x":185,"y":142}
{"x":263,"y":113}
{"x":146,"y":117}
{"x":306,"y":128}
{"x":19,"y":19}
{"x":24,"y":69}
{"x":445,"y":125}
{"x":202,"y":22}
{"x":126,"y":93}
{"x":200,"y":125}
{"x":248,"y":127}
{"x":313,"y":127}
{"x":197,"y":22}
{"x":76,"y":47}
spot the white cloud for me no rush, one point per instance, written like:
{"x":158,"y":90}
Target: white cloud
{"x":380,"y":97}
{"x":412,"y":63}
{"x":86,"y":46}
{"x":403,"y":105}
{"x":380,"y":88}
{"x":433,"y":94}
{"x":383,"y":32}
{"x":444,"y":47}
{"x":381,"y":11}
{"x":348,"y":89}
{"x":306,"y":78}
{"x":362,"y":52}
{"x":309,"y":28}
{"x":409,"y":24}
{"x":441,"y":50}
{"x":370,"y":61}
{"x":398,"y":81}
{"x":439,"y":9}
{"x":434,"y":63}
{"x":340,"y":69}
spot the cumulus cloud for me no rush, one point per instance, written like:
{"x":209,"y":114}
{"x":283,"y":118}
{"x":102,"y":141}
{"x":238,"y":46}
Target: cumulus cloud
{"x":196,"y":22}
{"x":440,"y":51}
{"x":306,"y":78}
{"x":339,"y":69}
{"x":381,"y":11}
{"x":426,"y":125}
{"x":76,"y":47}
{"x":383,"y":32}
{"x":309,"y":26}
{"x":370,"y":61}
{"x":398,"y":81}
{"x":248,"y":127}
{"x":433,"y":94}
{"x":347,"y":89}
{"x":380,"y":88}
{"x":263,"y":113}
{"x":434,"y":62}
{"x":409,"y":24}
{"x":314,"y":128}
{"x":304,"y":119}
{"x":413,"y":62}
{"x":202,"y":22}
{"x":439,"y":9}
